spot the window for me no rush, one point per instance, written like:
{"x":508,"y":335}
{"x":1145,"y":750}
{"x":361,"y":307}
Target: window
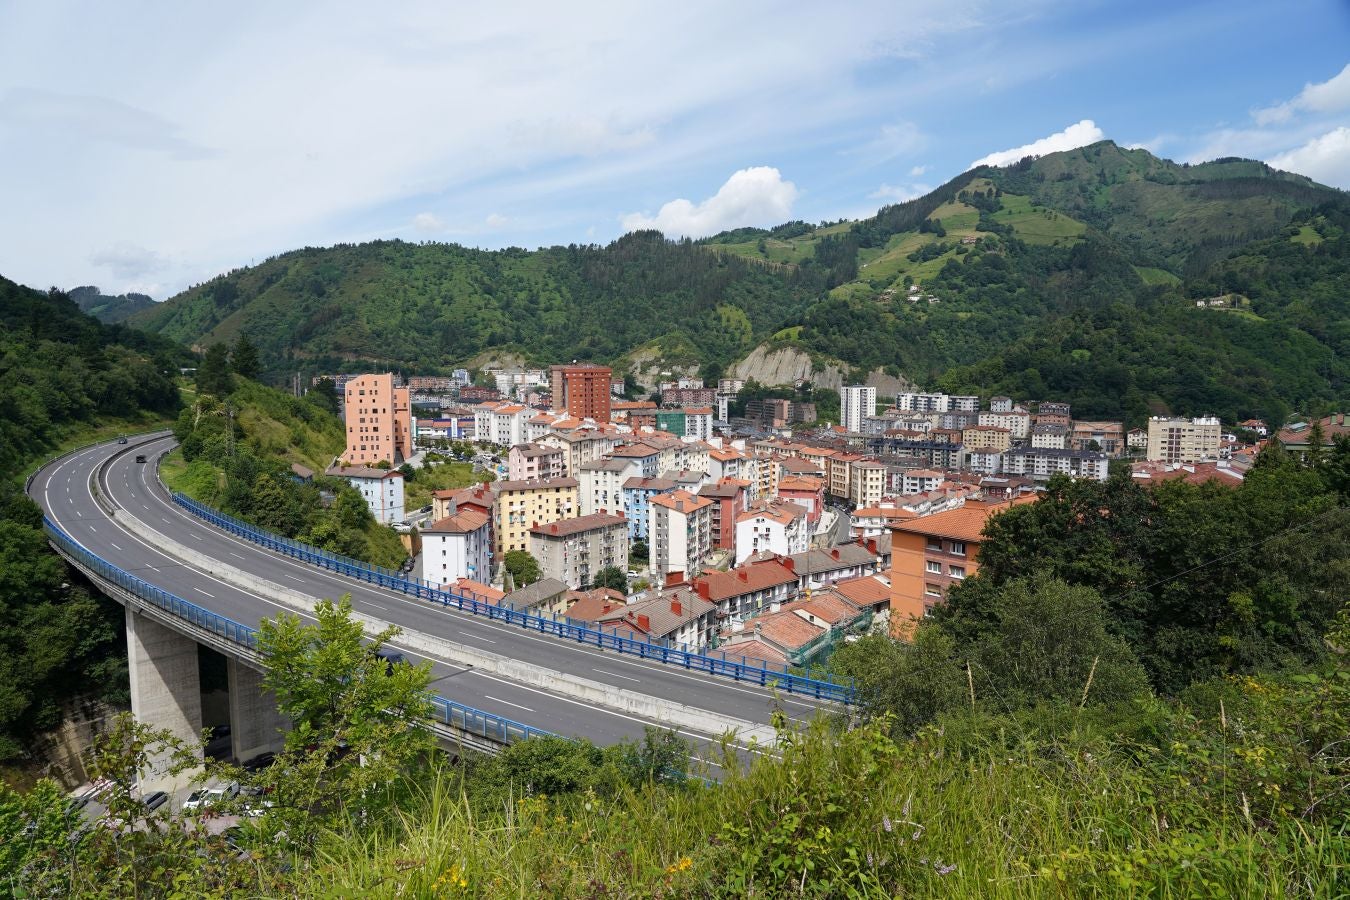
{"x":934,"y":544}
{"x":956,"y":571}
{"x":934,"y":567}
{"x":959,"y":548}
{"x":932,"y":590}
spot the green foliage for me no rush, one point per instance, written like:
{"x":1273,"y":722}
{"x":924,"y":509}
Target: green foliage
{"x":244,"y":358}
{"x":246,"y":472}
{"x":637,"y":551}
{"x":214,"y":375}
{"x":354,"y":721}
{"x":522,"y":567}
{"x":107,"y":308}
{"x":439,"y":302}
{"x":611,"y":577}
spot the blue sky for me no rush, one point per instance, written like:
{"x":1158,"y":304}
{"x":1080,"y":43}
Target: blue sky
{"x":147,"y":147}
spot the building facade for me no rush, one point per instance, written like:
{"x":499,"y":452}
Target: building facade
{"x":1176,"y":440}
{"x":574,"y":550}
{"x":457,"y":546}
{"x":582,"y":390}
{"x":856,"y":403}
{"x":379,"y":420}
{"x":520,"y":505}
{"x":679,"y":534}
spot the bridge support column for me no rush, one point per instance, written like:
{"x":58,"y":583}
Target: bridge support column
{"x":256,"y":725}
{"x":165,"y":691}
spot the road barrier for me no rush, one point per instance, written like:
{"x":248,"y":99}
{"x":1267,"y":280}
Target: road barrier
{"x":457,"y":715}
{"x":757,"y":672}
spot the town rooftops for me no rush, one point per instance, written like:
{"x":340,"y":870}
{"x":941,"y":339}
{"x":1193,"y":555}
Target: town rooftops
{"x":798,"y":466}
{"x":463,"y":522}
{"x":606,"y":465}
{"x":534,"y":595}
{"x":725,"y":455}
{"x":577,"y":525}
{"x":727,"y":487}
{"x":477,"y":590}
{"x":532,"y":450}
{"x":534,"y":484}
{"x":637,"y":483}
{"x":747,"y":578}
{"x":1191,"y":473}
{"x":800,"y":483}
{"x":666,"y":613}
{"x":349,"y":471}
{"x":473,"y":495}
{"x":681,"y":501}
{"x":839,"y":556}
{"x":634,"y":451}
{"x":596,"y":605}
{"x":965,"y":523}
{"x":867,"y":590}
{"x":1332,"y":426}
{"x":782,"y":512}
{"x":300,"y":471}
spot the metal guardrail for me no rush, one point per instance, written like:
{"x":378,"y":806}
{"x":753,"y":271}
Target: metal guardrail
{"x":466,"y":718}
{"x":758,"y":672}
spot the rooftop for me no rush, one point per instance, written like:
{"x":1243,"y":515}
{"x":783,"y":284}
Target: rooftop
{"x":462,"y":522}
{"x":534,"y":484}
{"x":578,"y":525}
{"x":965,"y":523}
{"x":351,"y":471}
{"x":681,"y":501}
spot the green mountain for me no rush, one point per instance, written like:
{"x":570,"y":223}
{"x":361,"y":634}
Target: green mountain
{"x":108,"y":308}
{"x":427,"y":306}
{"x":1073,"y":275}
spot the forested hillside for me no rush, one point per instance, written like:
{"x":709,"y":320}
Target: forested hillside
{"x":426,"y":306}
{"x":1074,"y":275}
{"x":64,"y":378}
{"x":108,"y":308}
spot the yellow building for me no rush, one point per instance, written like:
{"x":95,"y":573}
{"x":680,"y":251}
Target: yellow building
{"x":1183,"y":440}
{"x":987,"y":436}
{"x":521,"y":505}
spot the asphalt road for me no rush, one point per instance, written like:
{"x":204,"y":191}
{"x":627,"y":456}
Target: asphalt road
{"x":63,"y":490}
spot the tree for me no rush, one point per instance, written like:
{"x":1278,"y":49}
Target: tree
{"x":356,"y":719}
{"x":1050,"y":642}
{"x":912,"y":683}
{"x":611,"y":577}
{"x":637,"y":551}
{"x":522,"y":567}
{"x":244,"y":358}
{"x":213,"y":375}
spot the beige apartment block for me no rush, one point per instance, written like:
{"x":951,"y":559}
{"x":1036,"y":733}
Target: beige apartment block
{"x":1177,"y":440}
{"x":520,"y":505}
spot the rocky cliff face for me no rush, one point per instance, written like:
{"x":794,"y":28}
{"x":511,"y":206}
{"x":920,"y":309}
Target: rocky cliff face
{"x":788,"y":366}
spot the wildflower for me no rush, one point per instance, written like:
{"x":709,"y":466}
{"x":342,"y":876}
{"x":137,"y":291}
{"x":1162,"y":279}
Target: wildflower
{"x":886,"y":823}
{"x":869,"y":858}
{"x":945,"y":870}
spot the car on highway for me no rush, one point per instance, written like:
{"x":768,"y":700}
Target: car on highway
{"x":203,"y":799}
{"x":140,"y":457}
{"x":121,"y":439}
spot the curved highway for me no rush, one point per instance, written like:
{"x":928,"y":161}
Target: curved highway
{"x":64,"y":491}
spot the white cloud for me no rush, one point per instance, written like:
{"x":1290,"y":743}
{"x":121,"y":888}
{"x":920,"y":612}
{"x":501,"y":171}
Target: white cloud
{"x":1325,"y":158}
{"x":755,"y":196}
{"x":917,"y":171}
{"x":425,"y":221}
{"x":496,"y":220}
{"x":1328,"y":96}
{"x":1079,"y":134}
{"x":899,"y":193}
{"x":127,"y":260}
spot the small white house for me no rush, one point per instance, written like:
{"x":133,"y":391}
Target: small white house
{"x":382,"y":489}
{"x":776,"y":526}
{"x":457,"y":546}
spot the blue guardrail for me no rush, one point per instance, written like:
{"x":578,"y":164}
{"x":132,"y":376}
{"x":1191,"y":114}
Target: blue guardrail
{"x":466,"y":718}
{"x":757,"y":672}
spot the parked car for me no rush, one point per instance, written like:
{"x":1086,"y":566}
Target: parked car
{"x":201,"y":800}
{"x":254,"y":804}
{"x":259,"y":762}
{"x":154,"y":801}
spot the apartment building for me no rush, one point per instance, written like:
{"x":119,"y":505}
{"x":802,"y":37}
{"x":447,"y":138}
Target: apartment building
{"x":501,"y":423}
{"x":600,"y":485}
{"x":573,"y":550}
{"x":771,"y":526}
{"x":856,"y":403}
{"x":1049,"y":436}
{"x":1018,"y":422}
{"x":924,"y":403}
{"x":520,"y":505}
{"x":637,"y":495}
{"x":929,"y":555}
{"x":1177,"y":440}
{"x":807,"y":491}
{"x":457,"y":546}
{"x":729,"y":499}
{"x":530,"y":462}
{"x":581,"y":445}
{"x":680,"y":534}
{"x":987,"y":436}
{"x":382,"y":489}
{"x":378,"y":417}
{"x":1040,"y":464}
{"x":475,"y":496}
{"x":866,"y":482}
{"x":1108,"y":436}
{"x":582,"y":390}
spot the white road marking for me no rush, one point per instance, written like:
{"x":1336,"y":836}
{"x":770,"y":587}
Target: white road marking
{"x":508,"y":702}
{"x":200,"y":591}
{"x":294,"y":577}
{"x":92,"y":528}
{"x":236,"y":555}
{"x":195,"y":536}
{"x":115,"y":547}
{"x":616,"y":675}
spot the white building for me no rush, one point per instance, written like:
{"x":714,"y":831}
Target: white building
{"x":382,"y":489}
{"x":501,"y":423}
{"x":965,"y":403}
{"x":866,"y":482}
{"x":856,"y":402}
{"x":1050,"y":436}
{"x":921,"y":481}
{"x":777,"y":526}
{"x":924,"y":403}
{"x":457,"y":546}
{"x":601,"y":485}
{"x":1018,"y":422}
{"x":679,"y":533}
{"x":1041,"y":464}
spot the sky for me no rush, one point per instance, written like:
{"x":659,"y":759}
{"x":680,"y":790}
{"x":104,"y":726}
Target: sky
{"x":152,"y":146}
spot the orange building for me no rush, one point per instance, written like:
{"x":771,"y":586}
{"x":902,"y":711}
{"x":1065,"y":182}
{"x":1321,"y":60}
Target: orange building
{"x":379,"y":424}
{"x":930,"y":554}
{"x":582,"y":390}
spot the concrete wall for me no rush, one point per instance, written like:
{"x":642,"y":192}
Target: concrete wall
{"x":165,"y":690}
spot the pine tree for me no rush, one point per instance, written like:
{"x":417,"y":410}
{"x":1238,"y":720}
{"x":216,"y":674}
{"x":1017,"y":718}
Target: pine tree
{"x":213,"y":375}
{"x":244,"y":358}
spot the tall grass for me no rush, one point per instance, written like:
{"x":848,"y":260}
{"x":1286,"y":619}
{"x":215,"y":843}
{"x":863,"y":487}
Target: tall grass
{"x":980,"y":809}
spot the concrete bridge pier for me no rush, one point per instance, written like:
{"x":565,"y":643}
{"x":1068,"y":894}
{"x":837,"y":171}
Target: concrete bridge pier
{"x":165,"y":692}
{"x":256,"y":725}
